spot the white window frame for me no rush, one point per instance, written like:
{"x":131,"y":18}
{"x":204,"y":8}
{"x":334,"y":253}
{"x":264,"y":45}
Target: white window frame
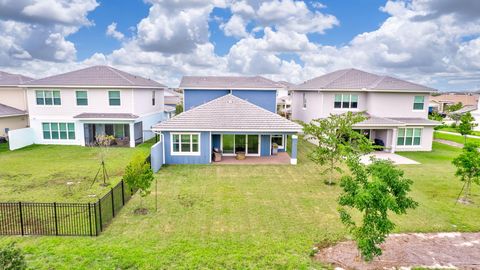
{"x":59,"y":137}
{"x":119,"y":98}
{"x":413,"y":138}
{"x":53,"y":98}
{"x":190,"y":153}
{"x":283,"y":140}
{"x":423,"y":107}
{"x":349,"y":101}
{"x":76,"y":99}
{"x":246,"y":145}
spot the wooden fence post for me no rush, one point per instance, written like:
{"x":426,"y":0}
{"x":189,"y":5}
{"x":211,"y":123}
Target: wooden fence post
{"x":113,"y":203}
{"x":21,"y":217}
{"x":56,"y":220}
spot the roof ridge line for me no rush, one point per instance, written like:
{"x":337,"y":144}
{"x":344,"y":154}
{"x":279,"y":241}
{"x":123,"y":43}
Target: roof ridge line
{"x":118,"y":73}
{"x":377,"y":82}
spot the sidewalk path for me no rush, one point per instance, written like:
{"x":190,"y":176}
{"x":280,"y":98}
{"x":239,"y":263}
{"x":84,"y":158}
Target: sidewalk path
{"x":454,"y":144}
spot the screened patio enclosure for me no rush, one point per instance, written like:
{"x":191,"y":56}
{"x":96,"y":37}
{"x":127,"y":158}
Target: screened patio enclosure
{"x":121,"y":132}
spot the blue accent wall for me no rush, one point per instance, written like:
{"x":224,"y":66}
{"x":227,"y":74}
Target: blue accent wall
{"x":193,"y":98}
{"x":203,"y":158}
{"x":265,"y":146}
{"x":266,"y":99}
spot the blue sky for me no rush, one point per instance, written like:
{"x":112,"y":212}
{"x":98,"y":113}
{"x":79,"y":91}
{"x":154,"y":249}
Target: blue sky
{"x":431,"y":42}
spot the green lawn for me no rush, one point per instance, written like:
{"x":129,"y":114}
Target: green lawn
{"x":246,"y":217}
{"x":40,"y":173}
{"x":454,"y":138}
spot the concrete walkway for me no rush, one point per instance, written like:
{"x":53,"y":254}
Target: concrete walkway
{"x":454,"y":144}
{"x":396,"y":159}
{"x":457,"y":134}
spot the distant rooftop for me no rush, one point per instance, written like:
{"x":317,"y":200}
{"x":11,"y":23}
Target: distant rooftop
{"x":9,"y":79}
{"x":228,"y":113}
{"x":354,"y":79}
{"x":6,"y":111}
{"x":228,"y":82}
{"x":97,"y":76}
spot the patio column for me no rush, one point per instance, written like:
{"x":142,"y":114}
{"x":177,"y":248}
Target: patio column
{"x":132,"y":134}
{"x":293,"y":158}
{"x":394,"y":140}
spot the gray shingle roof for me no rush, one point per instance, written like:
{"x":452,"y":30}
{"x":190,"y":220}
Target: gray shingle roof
{"x":465,"y":109}
{"x":97,"y":76}
{"x":227,"y":82}
{"x":347,"y":79}
{"x":12,"y":79}
{"x":106,"y":116}
{"x":374,"y":121}
{"x":10,"y":111}
{"x":228,"y":113}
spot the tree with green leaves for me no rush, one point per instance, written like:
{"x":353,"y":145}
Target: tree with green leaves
{"x":455,"y":117}
{"x":335,"y":138}
{"x":454,"y":107}
{"x":468,"y":170}
{"x":178,"y":109}
{"x":139,"y":176}
{"x":374,"y":191}
{"x":467,"y":123}
{"x":12,"y":258}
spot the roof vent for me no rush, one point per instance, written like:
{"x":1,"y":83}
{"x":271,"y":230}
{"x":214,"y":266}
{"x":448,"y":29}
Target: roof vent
{"x":229,"y":101}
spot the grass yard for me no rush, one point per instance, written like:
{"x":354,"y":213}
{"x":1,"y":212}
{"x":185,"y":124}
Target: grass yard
{"x":450,"y":129}
{"x":454,"y":138}
{"x":40,"y":173}
{"x":245,"y":217}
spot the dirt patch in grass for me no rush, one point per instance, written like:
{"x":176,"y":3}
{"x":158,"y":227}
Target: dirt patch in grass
{"x":429,"y":250}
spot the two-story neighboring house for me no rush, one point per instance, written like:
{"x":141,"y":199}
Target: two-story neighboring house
{"x":235,"y":115}
{"x":397,"y":110}
{"x":75,"y":107}
{"x":13,"y":102}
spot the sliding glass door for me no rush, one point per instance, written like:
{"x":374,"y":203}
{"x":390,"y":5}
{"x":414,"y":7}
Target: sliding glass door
{"x":233,"y":143}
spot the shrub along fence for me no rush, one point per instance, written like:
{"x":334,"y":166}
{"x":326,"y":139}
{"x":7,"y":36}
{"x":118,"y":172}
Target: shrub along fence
{"x":63,"y":219}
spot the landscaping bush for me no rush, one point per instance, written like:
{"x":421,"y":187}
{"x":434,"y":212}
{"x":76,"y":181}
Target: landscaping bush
{"x":12,"y":258}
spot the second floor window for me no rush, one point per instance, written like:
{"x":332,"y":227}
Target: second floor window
{"x":418,"y":103}
{"x":114,"y":98}
{"x":44,"y":97}
{"x":82,"y":98}
{"x":346,"y":101}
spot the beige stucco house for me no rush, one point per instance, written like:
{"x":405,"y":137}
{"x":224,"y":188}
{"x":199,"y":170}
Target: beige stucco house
{"x":397,"y":110}
{"x":13,"y":103}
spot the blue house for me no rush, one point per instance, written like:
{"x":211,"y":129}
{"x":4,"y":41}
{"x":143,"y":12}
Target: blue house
{"x":234,"y":115}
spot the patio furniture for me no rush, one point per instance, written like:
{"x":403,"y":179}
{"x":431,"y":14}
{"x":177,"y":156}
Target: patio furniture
{"x":122,"y":141}
{"x":216,"y":155}
{"x":274,"y":149}
{"x":240,"y":155}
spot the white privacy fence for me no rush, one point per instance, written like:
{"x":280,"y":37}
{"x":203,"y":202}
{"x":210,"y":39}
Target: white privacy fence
{"x":20,"y":138}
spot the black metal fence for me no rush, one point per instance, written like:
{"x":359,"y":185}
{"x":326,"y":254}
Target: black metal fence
{"x":64,"y":219}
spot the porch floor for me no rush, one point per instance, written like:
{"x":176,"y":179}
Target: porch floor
{"x":280,"y":158}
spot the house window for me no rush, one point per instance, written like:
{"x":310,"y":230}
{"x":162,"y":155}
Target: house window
{"x":58,"y":131}
{"x":114,"y":98}
{"x":345,"y":101}
{"x":418,"y":103}
{"x":409,"y":136}
{"x":304,"y":100}
{"x":153,"y":98}
{"x":82,"y":98}
{"x":185,"y":144}
{"x":48,"y":97}
{"x":278,"y":139}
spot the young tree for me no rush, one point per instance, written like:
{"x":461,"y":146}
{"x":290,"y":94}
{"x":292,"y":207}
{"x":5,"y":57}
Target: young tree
{"x":178,"y":109}
{"x":454,"y":107}
{"x":455,"y":117}
{"x":467,"y":123}
{"x":373,"y":190}
{"x":468,"y":169}
{"x":139,"y":176}
{"x":335,"y":138}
